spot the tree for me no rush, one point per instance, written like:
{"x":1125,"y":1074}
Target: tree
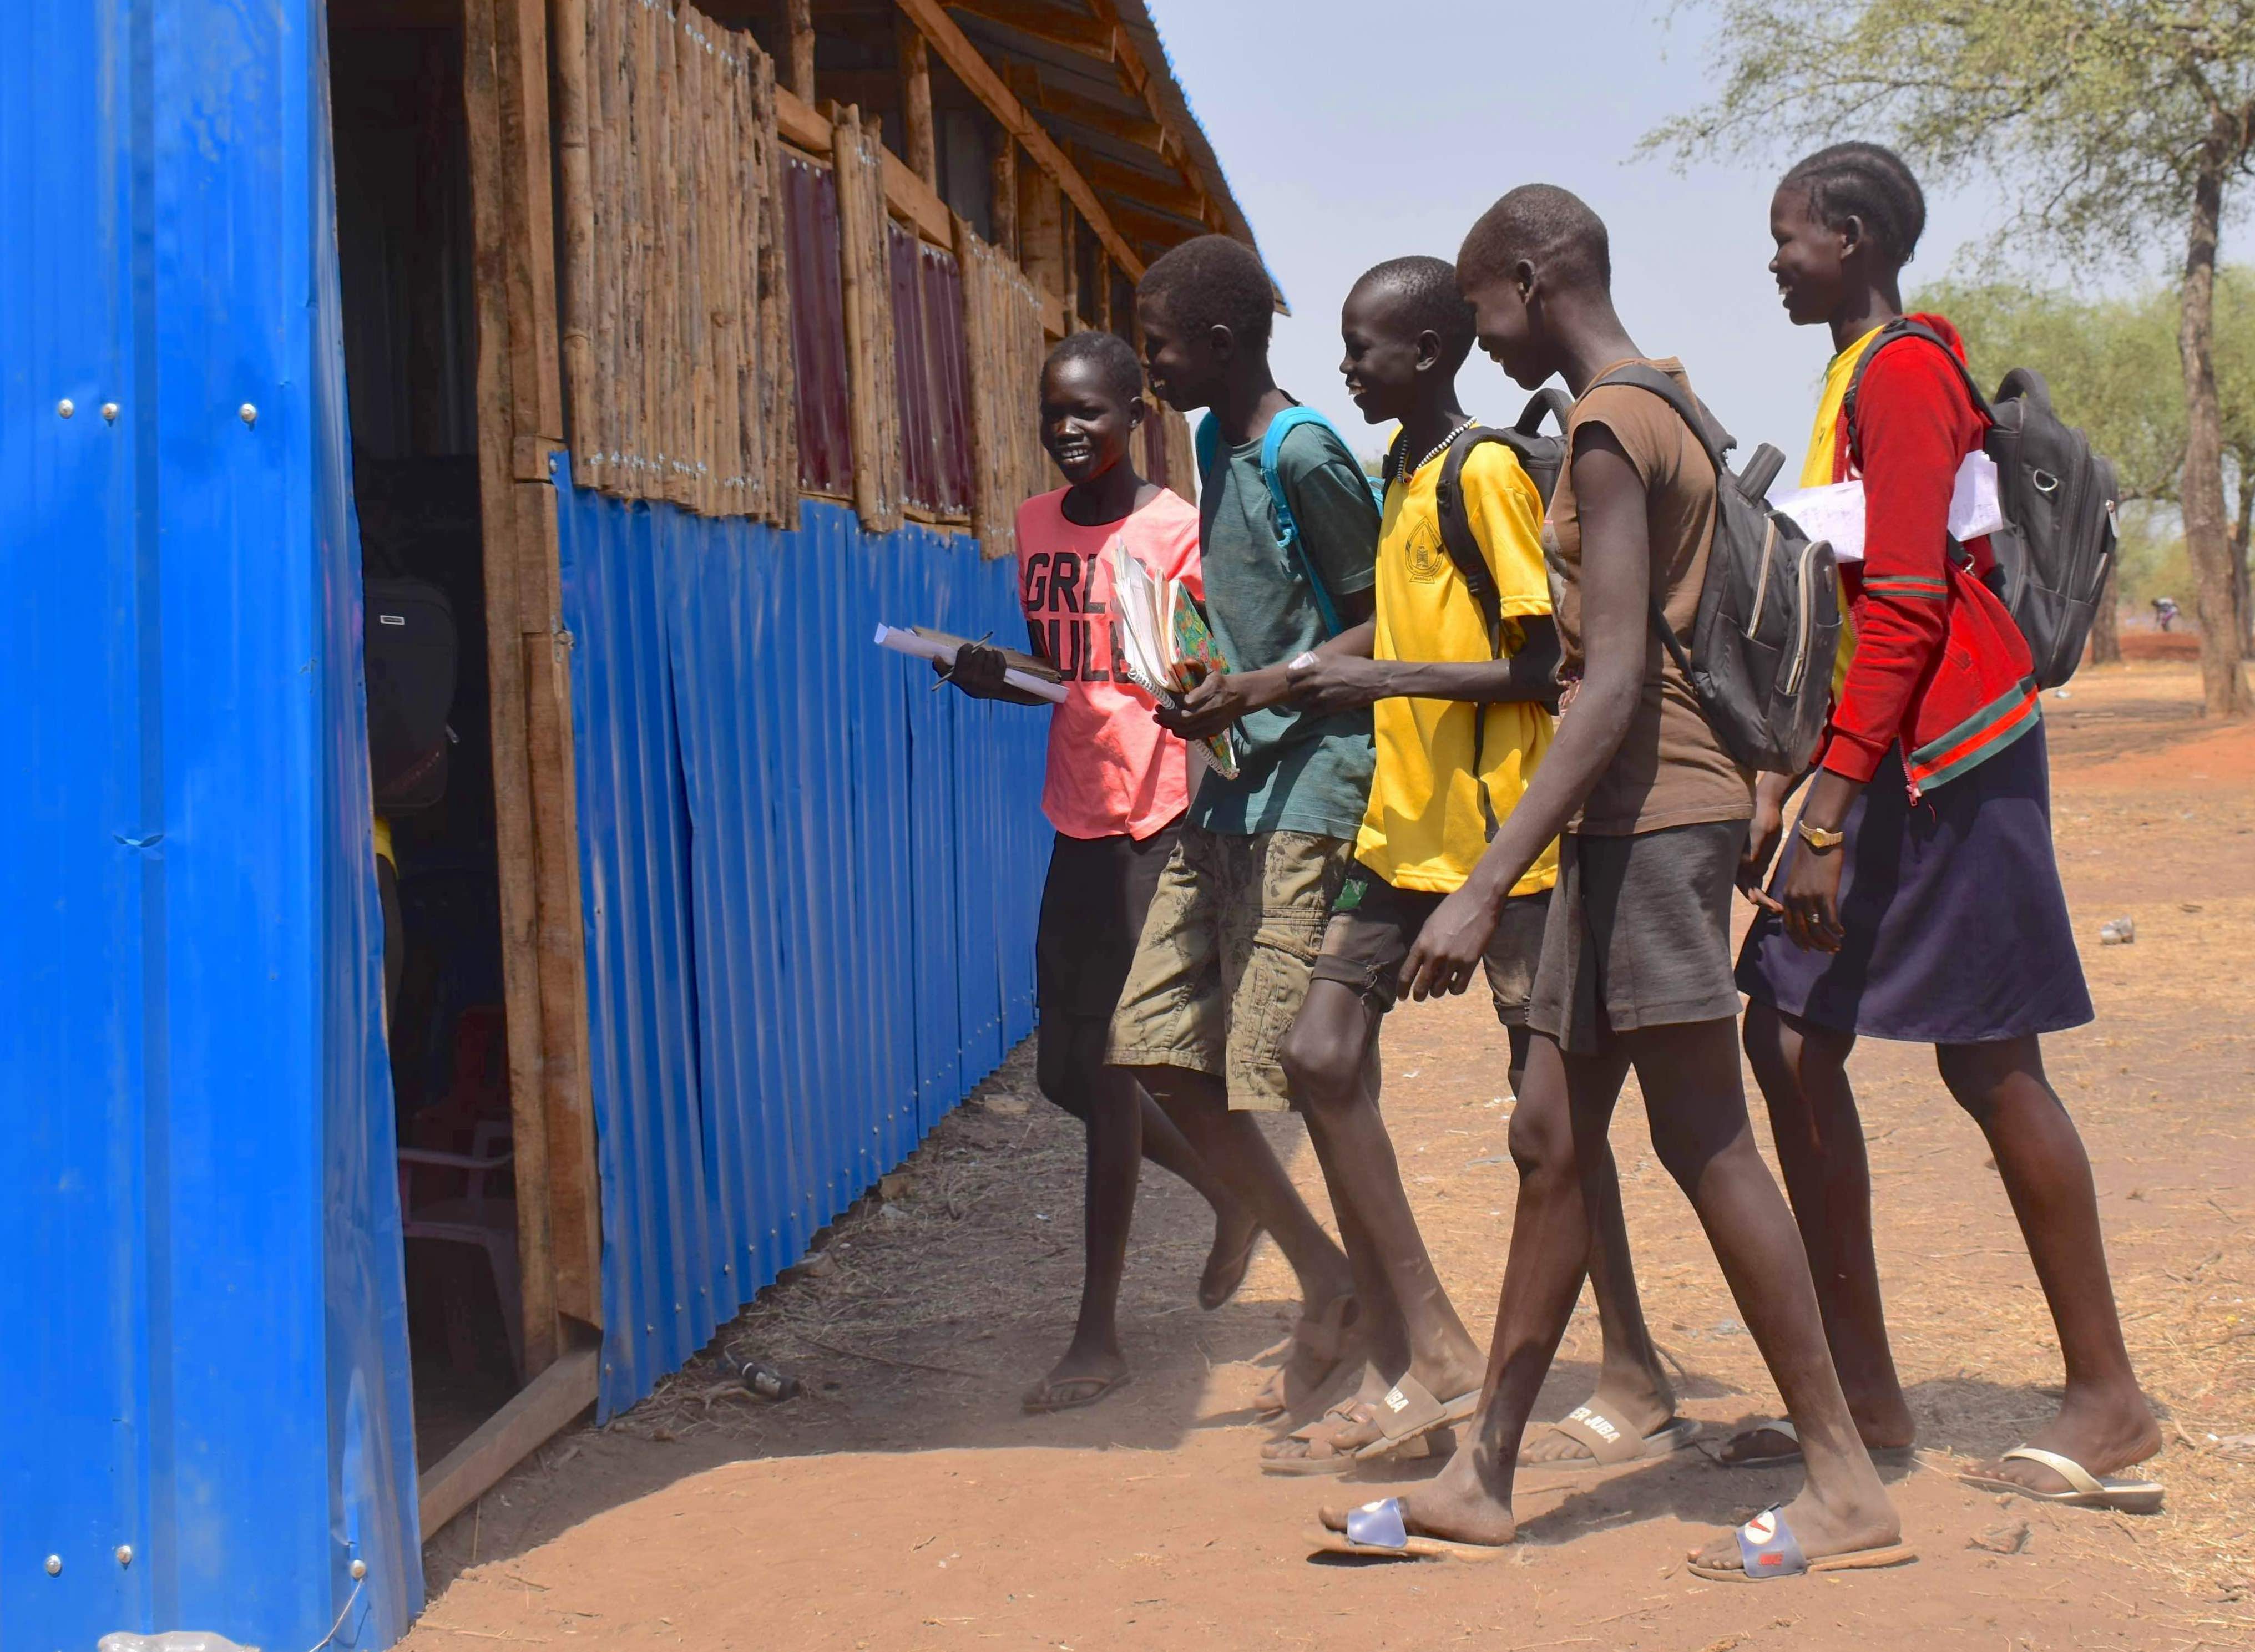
{"x":2116,"y":125}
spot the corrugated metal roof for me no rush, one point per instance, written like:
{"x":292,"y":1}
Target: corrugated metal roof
{"x":810,"y":881}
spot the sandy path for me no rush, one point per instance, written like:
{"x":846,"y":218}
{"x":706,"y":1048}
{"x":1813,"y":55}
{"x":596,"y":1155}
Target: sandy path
{"x":906,"y":1502}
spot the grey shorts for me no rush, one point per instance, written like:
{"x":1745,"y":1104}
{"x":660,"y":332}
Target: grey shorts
{"x":1639,"y":934}
{"x":1374,"y":924}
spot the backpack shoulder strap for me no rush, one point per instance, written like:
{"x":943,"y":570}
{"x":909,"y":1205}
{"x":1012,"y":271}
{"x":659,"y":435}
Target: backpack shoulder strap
{"x":1695,"y":418}
{"x":1287,"y":528}
{"x":1208,"y":446}
{"x":1456,"y":535}
{"x":1904,"y":327}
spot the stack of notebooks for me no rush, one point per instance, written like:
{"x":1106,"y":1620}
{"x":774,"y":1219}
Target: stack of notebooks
{"x":1166,"y":647}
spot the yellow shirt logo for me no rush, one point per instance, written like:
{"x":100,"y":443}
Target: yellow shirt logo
{"x":1428,"y":559}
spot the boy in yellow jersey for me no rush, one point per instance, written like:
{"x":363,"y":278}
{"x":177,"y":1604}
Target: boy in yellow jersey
{"x":1438,"y":695}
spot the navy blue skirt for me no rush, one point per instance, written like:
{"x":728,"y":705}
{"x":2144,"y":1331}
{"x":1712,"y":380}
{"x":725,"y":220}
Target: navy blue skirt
{"x":1957,"y":927}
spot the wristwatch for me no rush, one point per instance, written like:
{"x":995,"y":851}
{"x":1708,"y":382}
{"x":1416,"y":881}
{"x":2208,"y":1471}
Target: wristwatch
{"x":1817,"y":838}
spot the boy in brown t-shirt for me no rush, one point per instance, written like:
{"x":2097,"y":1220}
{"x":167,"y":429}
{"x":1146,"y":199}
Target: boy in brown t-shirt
{"x":1636,"y":966}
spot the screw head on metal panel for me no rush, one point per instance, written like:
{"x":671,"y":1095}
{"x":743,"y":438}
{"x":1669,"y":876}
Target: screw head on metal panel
{"x":109,"y":412}
{"x":359,"y":1570}
{"x":247,"y":413}
{"x":65,"y":407}
{"x":54,"y":1565}
{"x":125,"y":1554}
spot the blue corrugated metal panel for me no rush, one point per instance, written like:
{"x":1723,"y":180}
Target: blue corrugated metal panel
{"x":200,"y":1305}
{"x":810,"y":883}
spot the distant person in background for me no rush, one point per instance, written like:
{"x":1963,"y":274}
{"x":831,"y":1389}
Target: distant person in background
{"x":2165,"y":612}
{"x":1116,"y":790}
{"x":1919,"y":899}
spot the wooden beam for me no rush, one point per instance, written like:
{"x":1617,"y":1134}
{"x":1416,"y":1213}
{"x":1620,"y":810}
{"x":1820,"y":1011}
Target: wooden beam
{"x":1176,"y":148}
{"x":511,"y":1434}
{"x":576,"y":186}
{"x":914,"y":202}
{"x":1068,"y":105}
{"x":920,"y":146}
{"x":481,"y":100}
{"x":956,"y":51}
{"x":536,"y":397}
{"x":1002,"y":197}
{"x":798,"y":54}
{"x":1090,"y":37}
{"x":1168,"y":191}
{"x":800,"y":123}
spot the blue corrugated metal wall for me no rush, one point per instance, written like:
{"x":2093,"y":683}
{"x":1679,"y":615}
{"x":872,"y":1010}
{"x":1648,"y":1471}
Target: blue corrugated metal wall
{"x":810,"y":882}
{"x":202,"y":1354}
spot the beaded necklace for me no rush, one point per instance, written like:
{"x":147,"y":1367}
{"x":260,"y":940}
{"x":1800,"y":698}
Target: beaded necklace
{"x":1403,"y":474}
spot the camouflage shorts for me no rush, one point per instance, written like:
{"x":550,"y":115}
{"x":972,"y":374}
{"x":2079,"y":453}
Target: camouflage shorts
{"x":1223,"y":962}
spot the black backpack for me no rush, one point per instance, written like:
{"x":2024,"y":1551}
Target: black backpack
{"x":1541,"y":457}
{"x":2058,"y":498}
{"x":1761,"y":659}
{"x":412,"y":652}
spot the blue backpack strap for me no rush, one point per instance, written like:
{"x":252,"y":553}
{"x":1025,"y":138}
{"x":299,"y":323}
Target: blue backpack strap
{"x":1287,"y":530}
{"x":1208,"y":446}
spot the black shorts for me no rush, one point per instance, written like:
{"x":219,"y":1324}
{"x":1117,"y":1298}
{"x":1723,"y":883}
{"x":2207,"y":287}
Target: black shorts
{"x":1092,"y":906}
{"x":1374,"y":924}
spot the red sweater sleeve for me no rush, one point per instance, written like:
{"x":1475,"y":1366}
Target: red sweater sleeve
{"x":1914,"y":424}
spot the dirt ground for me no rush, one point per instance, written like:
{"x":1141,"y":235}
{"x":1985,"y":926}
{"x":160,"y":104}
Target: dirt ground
{"x":905,"y":1501}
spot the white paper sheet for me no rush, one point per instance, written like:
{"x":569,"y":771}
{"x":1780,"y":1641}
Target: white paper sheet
{"x":925,"y":649}
{"x":1836,"y":512}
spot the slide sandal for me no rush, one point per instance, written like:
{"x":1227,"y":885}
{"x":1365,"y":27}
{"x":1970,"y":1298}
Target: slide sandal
{"x":1409,"y":1413}
{"x":1611,"y":1438}
{"x":1767,"y":1550}
{"x":1783,"y":1426}
{"x":1325,"y":1453}
{"x":1069,"y":1393}
{"x":1377,"y":1530}
{"x":2122,"y":1493}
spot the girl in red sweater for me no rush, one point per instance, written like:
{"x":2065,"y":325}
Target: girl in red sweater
{"x":1918,"y":898}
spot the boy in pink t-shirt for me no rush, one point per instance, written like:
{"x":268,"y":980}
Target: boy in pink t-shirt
{"x":1117,"y":789}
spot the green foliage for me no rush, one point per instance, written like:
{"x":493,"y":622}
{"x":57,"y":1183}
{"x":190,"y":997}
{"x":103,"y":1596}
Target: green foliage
{"x":2111,"y":364}
{"x":2090,"y":112}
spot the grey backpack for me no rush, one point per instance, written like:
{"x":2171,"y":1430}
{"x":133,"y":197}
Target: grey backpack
{"x":2058,"y":496}
{"x":1761,"y":659}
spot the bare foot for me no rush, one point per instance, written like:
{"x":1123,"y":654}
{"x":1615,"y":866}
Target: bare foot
{"x":2106,"y":1434}
{"x":1081,"y":1378}
{"x":1457,"y":1506}
{"x":1643,"y":1409}
{"x":1767,"y":1444}
{"x":1329,"y":1335}
{"x":1821,"y":1530}
{"x":1235,"y":1234}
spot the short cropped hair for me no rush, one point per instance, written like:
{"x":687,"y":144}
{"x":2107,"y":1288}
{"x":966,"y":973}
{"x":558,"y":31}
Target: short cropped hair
{"x":1427,"y":288}
{"x":1110,"y":354}
{"x":1545,"y":225}
{"x":1869,"y":182}
{"x":1212,"y":280}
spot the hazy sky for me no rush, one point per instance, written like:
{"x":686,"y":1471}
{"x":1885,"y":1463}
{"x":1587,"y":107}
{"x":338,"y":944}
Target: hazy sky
{"x":1354,"y":132}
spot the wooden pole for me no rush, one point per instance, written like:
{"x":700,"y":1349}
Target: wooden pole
{"x":574,"y":174}
{"x":922,"y":148}
{"x":799,"y":35}
{"x":1004,"y":197}
{"x":482,"y":102}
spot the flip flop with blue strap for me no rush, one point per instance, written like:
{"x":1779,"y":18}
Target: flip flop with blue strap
{"x":1379,"y":1532}
{"x":1768,"y":1549}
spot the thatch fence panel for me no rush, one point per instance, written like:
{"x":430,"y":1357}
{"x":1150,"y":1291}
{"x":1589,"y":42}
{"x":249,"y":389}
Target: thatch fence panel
{"x":683,"y":392}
